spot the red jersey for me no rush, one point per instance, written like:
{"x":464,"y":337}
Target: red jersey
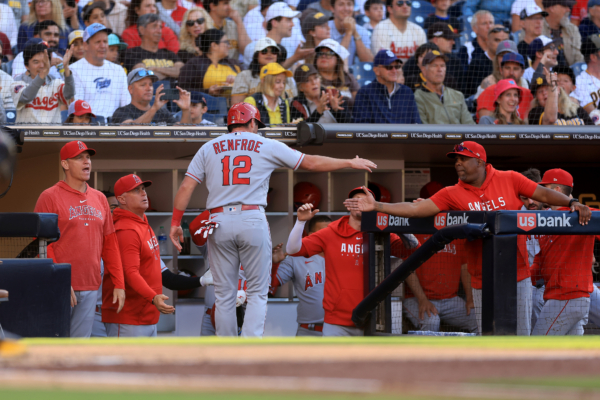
{"x":87,"y":234}
{"x":343,"y":248}
{"x":141,"y":264}
{"x":168,"y":41}
{"x":440,"y":275}
{"x":486,"y":101}
{"x":500,"y":191}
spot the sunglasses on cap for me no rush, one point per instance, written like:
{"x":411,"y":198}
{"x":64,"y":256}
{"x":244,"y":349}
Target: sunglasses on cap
{"x":400,"y":3}
{"x":143,"y":73}
{"x":192,"y":22}
{"x":271,"y":50}
{"x":459,"y":147}
{"x":500,"y":29}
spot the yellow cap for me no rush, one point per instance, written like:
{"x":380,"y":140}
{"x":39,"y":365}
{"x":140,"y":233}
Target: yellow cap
{"x":274,"y":69}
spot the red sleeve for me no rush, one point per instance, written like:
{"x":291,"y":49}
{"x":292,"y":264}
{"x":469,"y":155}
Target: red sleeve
{"x":397,"y":248}
{"x":525,"y":105}
{"x":130,"y":36}
{"x":130,"y":245}
{"x":170,"y":39}
{"x":274,"y":280}
{"x":313,"y":244}
{"x":442,"y":199}
{"x":523,"y":186}
{"x":112,"y":260}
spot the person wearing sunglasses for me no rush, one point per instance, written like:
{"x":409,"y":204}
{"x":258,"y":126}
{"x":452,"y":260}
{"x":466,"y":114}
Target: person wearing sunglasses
{"x":329,"y":61}
{"x":541,"y":50}
{"x":482,"y":64}
{"x":481,"y":187}
{"x":397,"y":33}
{"x":500,"y":9}
{"x":558,"y":26}
{"x":247,"y":82}
{"x":193,"y":25}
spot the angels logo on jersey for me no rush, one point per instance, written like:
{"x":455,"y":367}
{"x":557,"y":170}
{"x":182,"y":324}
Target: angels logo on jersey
{"x":318,"y":279}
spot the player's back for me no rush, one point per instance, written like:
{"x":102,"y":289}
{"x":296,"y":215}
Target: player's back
{"x":236,"y":167}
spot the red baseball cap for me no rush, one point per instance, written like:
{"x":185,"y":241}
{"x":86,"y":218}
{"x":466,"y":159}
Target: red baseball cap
{"x":469,"y":149}
{"x":80,"y":107}
{"x":73,"y":149}
{"x":359,"y":190}
{"x":129,"y":182}
{"x":557,"y":176}
{"x":504,"y":85}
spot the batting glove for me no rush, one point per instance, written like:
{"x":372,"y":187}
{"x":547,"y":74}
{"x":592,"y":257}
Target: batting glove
{"x":207,"y":279}
{"x":241,"y":298}
{"x":206,"y":228}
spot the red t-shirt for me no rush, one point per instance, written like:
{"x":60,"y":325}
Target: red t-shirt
{"x":178,"y":14}
{"x":500,"y":191}
{"x":486,"y":101}
{"x":169,"y":40}
{"x":440,"y":275}
{"x":87,"y":234}
{"x":579,"y":11}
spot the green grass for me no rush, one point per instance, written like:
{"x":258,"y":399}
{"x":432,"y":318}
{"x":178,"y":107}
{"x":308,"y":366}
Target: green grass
{"x":590,"y":383}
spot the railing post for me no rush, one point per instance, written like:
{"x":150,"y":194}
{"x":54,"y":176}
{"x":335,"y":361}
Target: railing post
{"x":377,"y":268}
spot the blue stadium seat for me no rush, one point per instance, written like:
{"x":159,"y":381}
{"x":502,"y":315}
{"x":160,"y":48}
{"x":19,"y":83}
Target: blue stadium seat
{"x":99,"y":119}
{"x":363,"y":72}
{"x":578,"y":68}
{"x":217,"y":109}
{"x":64,"y":114}
{"x":420,"y":10}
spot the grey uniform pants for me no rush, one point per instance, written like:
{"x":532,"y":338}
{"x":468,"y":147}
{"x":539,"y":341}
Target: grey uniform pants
{"x":99,"y":329}
{"x":124,"y":330}
{"x":307,"y":332}
{"x":563,"y":317}
{"x":207,"y":328}
{"x":595,"y":306}
{"x":242,"y":237}
{"x":451,"y":311}
{"x":537,"y":303}
{"x":82,"y":315}
{"x":341,"y":330}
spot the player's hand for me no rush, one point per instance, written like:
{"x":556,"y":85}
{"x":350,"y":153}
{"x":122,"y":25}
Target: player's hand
{"x":305,"y":212}
{"x":363,"y":204}
{"x":73,"y":298}
{"x":176,"y":236}
{"x":469,"y":305}
{"x":278,"y":254}
{"x":241,"y":298}
{"x":119,"y":295}
{"x":409,"y":240}
{"x":207,"y":279}
{"x":185,"y":99}
{"x":158,"y":101}
{"x":361,"y":163}
{"x":425,"y":306}
{"x":159,"y":303}
{"x":584,"y":212}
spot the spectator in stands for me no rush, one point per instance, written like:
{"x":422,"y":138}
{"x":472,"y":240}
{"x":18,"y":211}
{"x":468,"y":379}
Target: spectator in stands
{"x":38,"y":95}
{"x":507,"y":95}
{"x":500,"y":9}
{"x":385,"y":101}
{"x":164,"y":63}
{"x":578,"y":12}
{"x":280,"y":26}
{"x":245,"y":6}
{"x":80,"y":113}
{"x":171,"y":13}
{"x":100,"y":83}
{"x":140,"y":86}
{"x":198,"y":108}
{"x":375,"y":11}
{"x":314,"y":103}
{"x":131,"y":35}
{"x":438,"y":104}
{"x":443,"y":35}
{"x":7,"y":54}
{"x":71,"y":14}
{"x":345,"y":31}
{"x":248,"y":81}
{"x":542,"y":50}
{"x":416,"y":80}
{"x":8,"y":25}
{"x":48,"y":32}
{"x":95,"y":12}
{"x":591,"y":24}
{"x":532,"y":20}
{"x":557,"y":25}
{"x":329,"y":61}
{"x":116,"y":14}
{"x":511,"y":67}
{"x":441,"y":16}
{"x":274,"y":109}
{"x":6,"y":81}
{"x":44,"y":10}
{"x":212,"y":72}
{"x":323,"y":6}
{"x":20,"y":10}
{"x":566,"y":79}
{"x":482,"y":64}
{"x":481,"y":23}
{"x":76,"y":43}
{"x":315,"y":29}
{"x":552,"y":105}
{"x":397,"y":33}
{"x":194,"y":24}
{"x":507,"y":46}
{"x":588,"y":82}
{"x":228,"y":20}
{"x":115,"y":47}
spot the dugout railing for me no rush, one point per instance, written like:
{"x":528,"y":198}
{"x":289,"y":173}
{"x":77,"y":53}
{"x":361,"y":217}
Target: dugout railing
{"x":498,"y":231}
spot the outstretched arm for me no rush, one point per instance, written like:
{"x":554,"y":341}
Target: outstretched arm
{"x":294,"y":243}
{"x":425,"y":208}
{"x":325,"y":164}
{"x":554,"y":198}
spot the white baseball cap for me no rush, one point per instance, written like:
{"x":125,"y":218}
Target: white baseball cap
{"x":264,"y":43}
{"x":335,"y":47}
{"x":280,"y":9}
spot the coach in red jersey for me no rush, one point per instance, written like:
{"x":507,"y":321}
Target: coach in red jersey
{"x":482,"y":188}
{"x":86,"y":235}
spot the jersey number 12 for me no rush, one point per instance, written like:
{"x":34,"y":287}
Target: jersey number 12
{"x":237,"y":169}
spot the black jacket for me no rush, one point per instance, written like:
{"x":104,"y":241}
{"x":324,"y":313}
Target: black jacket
{"x":481,"y":66}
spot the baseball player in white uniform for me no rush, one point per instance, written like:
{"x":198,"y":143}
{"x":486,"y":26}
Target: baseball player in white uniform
{"x":236,"y":168}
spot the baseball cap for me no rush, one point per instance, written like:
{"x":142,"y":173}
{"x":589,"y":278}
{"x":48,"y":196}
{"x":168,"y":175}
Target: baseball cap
{"x":359,"y":190}
{"x":385,"y":57}
{"x":532,"y":9}
{"x":538,"y":79}
{"x":78,"y":34}
{"x":303,"y":72}
{"x":430,"y":189}
{"x":504,"y":85}
{"x":80,"y":107}
{"x":468,"y":149}
{"x":590,"y":45}
{"x":557,"y":176}
{"x":593,"y":3}
{"x":564,"y":70}
{"x":139,"y":74}
{"x":197,"y":97}
{"x":432,"y":55}
{"x":265,"y":43}
{"x":93,"y":29}
{"x":506,"y":45}
{"x":129,"y":182}
{"x":335,"y":47}
{"x":73,"y":149}
{"x":280,"y":9}
{"x":312,"y":20}
{"x":274,"y":69}
{"x":32,"y":48}
{"x":441,"y":29}
{"x":550,"y":3}
{"x":513,"y":57}
{"x":113,"y":40}
{"x":538,"y":44}
{"x":91,"y":6}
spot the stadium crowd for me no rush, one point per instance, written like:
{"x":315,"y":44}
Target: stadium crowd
{"x":375,"y":61}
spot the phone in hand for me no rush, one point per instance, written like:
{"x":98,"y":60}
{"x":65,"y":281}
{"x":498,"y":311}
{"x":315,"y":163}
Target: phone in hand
{"x":170,"y":94}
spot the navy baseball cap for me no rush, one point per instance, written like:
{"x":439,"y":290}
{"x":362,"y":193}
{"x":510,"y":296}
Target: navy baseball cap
{"x":593,"y":3}
{"x":385,"y":57}
{"x":93,"y":29}
{"x":197,"y":97}
{"x":513,"y":57}
{"x":538,"y":44}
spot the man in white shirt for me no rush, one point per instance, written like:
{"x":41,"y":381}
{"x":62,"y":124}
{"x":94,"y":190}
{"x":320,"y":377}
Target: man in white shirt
{"x":8,"y":26}
{"x":587,"y":90}
{"x":397,"y":33}
{"x":99,"y":82}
